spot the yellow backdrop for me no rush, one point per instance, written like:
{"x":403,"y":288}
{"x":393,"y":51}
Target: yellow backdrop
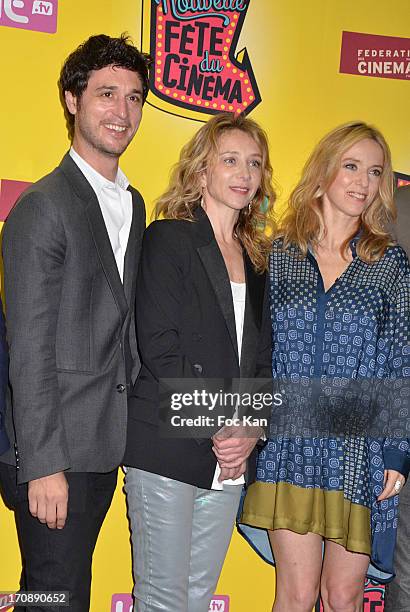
{"x":294,"y":47}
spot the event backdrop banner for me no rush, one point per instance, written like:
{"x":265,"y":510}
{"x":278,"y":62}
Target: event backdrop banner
{"x":198,"y":70}
{"x":299,"y":67}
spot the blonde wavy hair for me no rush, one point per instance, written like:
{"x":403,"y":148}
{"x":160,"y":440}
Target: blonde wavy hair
{"x":184,"y":191}
{"x":303,"y":222}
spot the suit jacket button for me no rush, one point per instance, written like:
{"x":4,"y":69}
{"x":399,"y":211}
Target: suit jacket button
{"x":120,"y":388}
{"x":198,"y":367}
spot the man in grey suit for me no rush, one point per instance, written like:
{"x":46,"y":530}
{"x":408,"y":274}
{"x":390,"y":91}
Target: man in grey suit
{"x":71,"y":248}
{"x":397,"y":598}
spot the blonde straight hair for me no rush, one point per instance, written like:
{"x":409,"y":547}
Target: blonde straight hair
{"x":303,"y":222}
{"x":184,"y":191}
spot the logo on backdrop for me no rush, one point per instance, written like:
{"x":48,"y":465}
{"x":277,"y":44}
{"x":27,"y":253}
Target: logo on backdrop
{"x":122,"y":602}
{"x":386,"y":57}
{"x":39,"y":15}
{"x":197,"y":69}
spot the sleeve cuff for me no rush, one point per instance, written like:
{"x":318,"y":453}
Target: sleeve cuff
{"x":395,"y":459}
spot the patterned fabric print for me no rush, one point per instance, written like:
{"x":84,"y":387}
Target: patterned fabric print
{"x":329,"y":464}
{"x":306,"y":462}
{"x":355,"y":337}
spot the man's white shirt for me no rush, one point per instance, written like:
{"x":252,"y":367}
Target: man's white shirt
{"x":116,"y":206}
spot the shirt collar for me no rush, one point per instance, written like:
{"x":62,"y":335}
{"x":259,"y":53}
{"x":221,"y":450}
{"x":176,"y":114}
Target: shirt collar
{"x":97,"y":180}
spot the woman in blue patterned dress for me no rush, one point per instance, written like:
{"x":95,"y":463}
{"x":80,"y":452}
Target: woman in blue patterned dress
{"x":339,"y":292}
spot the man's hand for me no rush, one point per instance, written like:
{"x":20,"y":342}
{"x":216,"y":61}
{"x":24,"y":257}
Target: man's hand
{"x":391,"y":477}
{"x":48,"y":498}
{"x":233,"y":445}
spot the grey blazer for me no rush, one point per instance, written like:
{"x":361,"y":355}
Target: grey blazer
{"x":71,"y":328}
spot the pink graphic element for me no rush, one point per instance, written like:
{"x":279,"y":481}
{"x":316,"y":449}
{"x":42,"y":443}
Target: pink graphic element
{"x":402,"y":179}
{"x":386,"y":57}
{"x":6,"y":601}
{"x":219,"y":603}
{"x":9,"y":192}
{"x":196,"y":63}
{"x":373,"y":597}
{"x":38,"y":15}
{"x":122,"y":602}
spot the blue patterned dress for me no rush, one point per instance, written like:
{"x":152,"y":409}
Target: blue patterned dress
{"x":357,"y":332}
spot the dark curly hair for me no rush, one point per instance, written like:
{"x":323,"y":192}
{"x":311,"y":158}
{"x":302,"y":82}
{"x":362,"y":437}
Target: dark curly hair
{"x":95,"y":53}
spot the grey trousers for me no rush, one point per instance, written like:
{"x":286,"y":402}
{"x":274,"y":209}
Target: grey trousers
{"x":397,"y":597}
{"x":180,"y":535}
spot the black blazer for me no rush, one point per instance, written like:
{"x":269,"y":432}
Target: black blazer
{"x":186,"y":329}
{"x":4,"y":366}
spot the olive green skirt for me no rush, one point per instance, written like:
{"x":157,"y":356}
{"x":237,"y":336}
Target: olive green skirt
{"x":327,"y":513}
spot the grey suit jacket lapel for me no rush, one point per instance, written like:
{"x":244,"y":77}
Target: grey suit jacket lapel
{"x":130,"y":273}
{"x":98,"y":230}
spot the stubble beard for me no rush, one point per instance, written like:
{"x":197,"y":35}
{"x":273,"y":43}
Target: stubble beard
{"x":100,"y":146}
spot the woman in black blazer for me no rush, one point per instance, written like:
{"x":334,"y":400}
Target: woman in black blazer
{"x":202,"y":314}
